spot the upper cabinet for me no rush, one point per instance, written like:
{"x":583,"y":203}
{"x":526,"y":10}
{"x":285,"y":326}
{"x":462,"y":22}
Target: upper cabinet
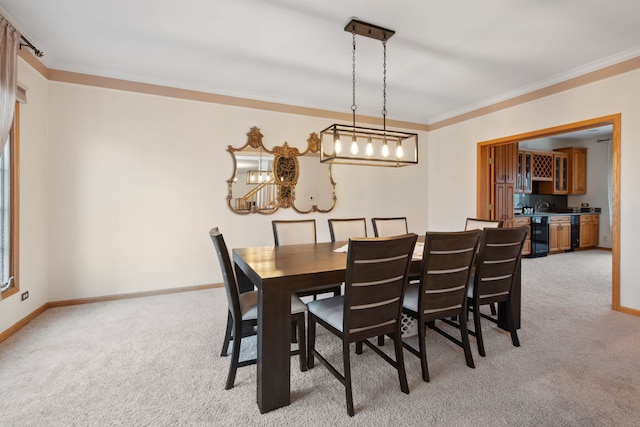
{"x":506,"y":157}
{"x":577,"y":169}
{"x":524,"y":172}
{"x":569,"y":172}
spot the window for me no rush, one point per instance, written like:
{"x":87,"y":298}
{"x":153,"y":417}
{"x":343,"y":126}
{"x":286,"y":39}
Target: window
{"x":9,"y":211}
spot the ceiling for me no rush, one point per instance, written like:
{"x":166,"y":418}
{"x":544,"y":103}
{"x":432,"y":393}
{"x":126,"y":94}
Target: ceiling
{"x":446,"y":58}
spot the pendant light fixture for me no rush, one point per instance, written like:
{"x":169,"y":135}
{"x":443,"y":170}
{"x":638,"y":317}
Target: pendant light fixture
{"x":356,"y":145}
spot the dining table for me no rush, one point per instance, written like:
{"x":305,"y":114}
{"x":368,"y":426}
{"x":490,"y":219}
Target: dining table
{"x":277,"y":272}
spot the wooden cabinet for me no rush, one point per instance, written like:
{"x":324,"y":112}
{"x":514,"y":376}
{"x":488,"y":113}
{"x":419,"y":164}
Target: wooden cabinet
{"x":577,"y":169}
{"x":589,"y":230}
{"x":560,"y":182}
{"x":524,"y":221}
{"x":504,"y":202}
{"x":559,"y":233}
{"x":524,"y":172}
{"x":505,"y":158}
{"x":542,"y":166}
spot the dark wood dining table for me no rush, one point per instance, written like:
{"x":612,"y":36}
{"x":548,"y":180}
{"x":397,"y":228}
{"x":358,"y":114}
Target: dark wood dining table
{"x":277,"y":272}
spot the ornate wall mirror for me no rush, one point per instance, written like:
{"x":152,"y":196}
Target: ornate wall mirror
{"x":264,"y":180}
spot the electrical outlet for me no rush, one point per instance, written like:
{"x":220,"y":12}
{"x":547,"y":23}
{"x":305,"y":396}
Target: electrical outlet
{"x":25,"y":295}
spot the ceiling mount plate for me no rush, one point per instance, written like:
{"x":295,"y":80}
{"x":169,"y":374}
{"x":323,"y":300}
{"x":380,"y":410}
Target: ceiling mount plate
{"x":369,"y":30}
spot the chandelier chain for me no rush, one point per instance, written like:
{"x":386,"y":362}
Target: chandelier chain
{"x":384,"y":83}
{"x":354,"y":107}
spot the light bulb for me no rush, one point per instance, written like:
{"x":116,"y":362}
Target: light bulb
{"x":399,"y":151}
{"x":369,"y":149}
{"x":385,"y":149}
{"x":337,"y":146}
{"x":354,"y":146}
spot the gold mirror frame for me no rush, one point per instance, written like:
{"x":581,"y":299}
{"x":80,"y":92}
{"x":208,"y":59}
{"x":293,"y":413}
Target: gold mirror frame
{"x":286,"y":172}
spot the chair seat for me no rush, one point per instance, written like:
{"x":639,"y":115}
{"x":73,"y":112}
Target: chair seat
{"x":331,"y":310}
{"x":249,"y":305}
{"x":411,"y":295}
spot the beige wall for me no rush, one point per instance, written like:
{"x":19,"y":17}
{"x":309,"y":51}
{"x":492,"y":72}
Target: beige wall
{"x":136,"y":181}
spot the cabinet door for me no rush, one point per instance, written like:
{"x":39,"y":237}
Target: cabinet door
{"x":578,"y":171}
{"x":506,"y":158}
{"x":504,"y":201}
{"x":560,"y":174}
{"x":564,"y":236}
{"x":553,"y":237}
{"x":527,"y":182}
{"x":585,"y":233}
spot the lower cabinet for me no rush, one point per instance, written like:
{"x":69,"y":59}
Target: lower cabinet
{"x":560,"y":233}
{"x":589,"y":230}
{"x":524,"y":222}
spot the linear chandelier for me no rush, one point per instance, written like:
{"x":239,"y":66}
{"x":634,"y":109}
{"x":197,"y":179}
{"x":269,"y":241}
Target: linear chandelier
{"x":356,"y":145}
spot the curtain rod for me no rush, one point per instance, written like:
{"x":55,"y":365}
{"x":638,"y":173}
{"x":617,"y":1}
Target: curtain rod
{"x":37,"y":52}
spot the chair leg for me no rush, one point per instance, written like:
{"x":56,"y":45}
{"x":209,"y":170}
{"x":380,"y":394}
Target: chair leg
{"x":380,"y":340}
{"x":359,"y":347}
{"x":294,"y":332}
{"x":464,"y":333}
{"x":510,"y":323}
{"x":478,"y":329}
{"x":402,"y":373}
{"x":311,"y":340}
{"x":235,"y":355}
{"x":302,"y":350}
{"x":492,"y":307}
{"x":347,"y":378}
{"x":227,"y":336}
{"x":422,"y":333}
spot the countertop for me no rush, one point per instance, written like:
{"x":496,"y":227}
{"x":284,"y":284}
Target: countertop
{"x":583,"y":211}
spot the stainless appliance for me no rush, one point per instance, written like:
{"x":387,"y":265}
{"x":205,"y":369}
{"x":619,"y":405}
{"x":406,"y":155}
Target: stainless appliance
{"x":575,"y":232}
{"x":539,"y":236}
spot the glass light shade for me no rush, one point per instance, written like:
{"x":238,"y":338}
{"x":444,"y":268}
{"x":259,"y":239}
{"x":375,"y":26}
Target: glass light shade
{"x":260,"y":177}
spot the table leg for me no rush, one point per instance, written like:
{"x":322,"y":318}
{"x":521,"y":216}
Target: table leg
{"x":274,"y":349}
{"x":516,"y":301}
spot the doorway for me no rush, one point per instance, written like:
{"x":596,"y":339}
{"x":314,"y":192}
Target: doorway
{"x":485,"y":197}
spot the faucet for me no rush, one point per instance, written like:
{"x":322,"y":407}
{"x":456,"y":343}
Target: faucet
{"x":541,"y":205}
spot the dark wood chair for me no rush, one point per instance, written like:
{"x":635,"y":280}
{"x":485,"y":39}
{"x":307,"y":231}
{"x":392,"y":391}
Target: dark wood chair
{"x":442,"y":290}
{"x":375,"y":279}
{"x":297,"y":232}
{"x":343,"y":229}
{"x":498,"y":258}
{"x":480,"y":224}
{"x":385,"y":227}
{"x":243,"y":314}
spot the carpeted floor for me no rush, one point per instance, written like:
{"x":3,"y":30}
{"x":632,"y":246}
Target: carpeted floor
{"x":155,"y":361}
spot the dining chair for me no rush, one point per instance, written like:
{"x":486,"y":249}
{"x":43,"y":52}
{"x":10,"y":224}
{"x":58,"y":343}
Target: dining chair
{"x":479,"y":224}
{"x":497,"y":262}
{"x":442,"y":290}
{"x":294,"y":232}
{"x":297,"y":232}
{"x":242,"y":318}
{"x":343,"y":229}
{"x":384,"y":227}
{"x":375,"y":279}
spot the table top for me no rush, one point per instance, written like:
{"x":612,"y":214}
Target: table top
{"x":309,"y":264}
{"x":276,"y":266}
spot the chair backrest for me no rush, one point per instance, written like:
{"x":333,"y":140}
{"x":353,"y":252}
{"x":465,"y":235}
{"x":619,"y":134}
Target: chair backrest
{"x":347,"y":228}
{"x":447,"y":262}
{"x":385,"y":227}
{"x":479,"y":224}
{"x":294,"y":232}
{"x":498,"y":258}
{"x":228,"y":274}
{"x":375,"y":279}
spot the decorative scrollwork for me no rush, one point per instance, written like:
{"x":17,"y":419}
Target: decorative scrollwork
{"x":261,"y":196}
